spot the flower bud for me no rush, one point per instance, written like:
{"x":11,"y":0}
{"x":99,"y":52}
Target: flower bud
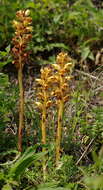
{"x":27,"y":12}
{"x":15,"y":23}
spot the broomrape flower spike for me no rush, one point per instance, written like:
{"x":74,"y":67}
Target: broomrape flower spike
{"x":23,"y":29}
{"x":61,"y":92}
{"x":22,"y":36}
{"x":43,"y":104}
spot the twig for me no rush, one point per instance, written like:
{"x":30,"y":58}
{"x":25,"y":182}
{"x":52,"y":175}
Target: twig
{"x":84,"y":152}
{"x":88,"y":75}
{"x":99,"y":88}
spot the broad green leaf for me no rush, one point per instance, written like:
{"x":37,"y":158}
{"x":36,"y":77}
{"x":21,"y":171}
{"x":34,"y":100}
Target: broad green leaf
{"x":24,"y":162}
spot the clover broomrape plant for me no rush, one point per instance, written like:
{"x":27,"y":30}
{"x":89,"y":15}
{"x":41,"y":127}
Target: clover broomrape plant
{"x":43,"y":104}
{"x":23,"y":29}
{"x":61,"y":92}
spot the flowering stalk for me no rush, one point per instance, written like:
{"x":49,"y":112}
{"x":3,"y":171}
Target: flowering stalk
{"x":62,"y":66}
{"x":43,"y":104}
{"x":20,"y":54}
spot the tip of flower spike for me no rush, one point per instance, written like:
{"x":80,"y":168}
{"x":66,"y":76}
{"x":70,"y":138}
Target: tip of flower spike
{"x":63,"y":58}
{"x":27,"y":12}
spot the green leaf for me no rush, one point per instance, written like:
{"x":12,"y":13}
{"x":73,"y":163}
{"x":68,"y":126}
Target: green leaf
{"x":7,"y":49}
{"x":1,"y":175}
{"x":58,"y":45}
{"x":2,"y":64}
{"x":56,"y":18}
{"x":9,"y":152}
{"x":7,"y":187}
{"x":3,"y":80}
{"x":85,"y":53}
{"x":30,"y":5}
{"x":91,"y":56}
{"x":3,"y":54}
{"x":95,"y":182}
{"x":50,"y":186}
{"x":24,"y":162}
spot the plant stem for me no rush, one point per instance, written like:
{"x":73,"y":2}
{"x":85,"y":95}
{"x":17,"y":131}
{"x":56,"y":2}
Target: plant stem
{"x":43,"y":129}
{"x":21,"y":108}
{"x":59,"y":131}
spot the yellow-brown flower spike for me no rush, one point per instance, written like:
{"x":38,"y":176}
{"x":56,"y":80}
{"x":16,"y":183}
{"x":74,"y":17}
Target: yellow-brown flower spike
{"x":43,"y":104}
{"x":23,"y":29}
{"x":61,"y":92}
{"x":22,"y":26}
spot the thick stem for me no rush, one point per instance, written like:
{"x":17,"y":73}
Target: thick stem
{"x":43,"y":129}
{"x":21,"y":109}
{"x":59,"y":131}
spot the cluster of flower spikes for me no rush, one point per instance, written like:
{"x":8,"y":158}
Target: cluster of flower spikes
{"x":44,"y":93}
{"x":62,"y":67}
{"x":23,"y":30}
